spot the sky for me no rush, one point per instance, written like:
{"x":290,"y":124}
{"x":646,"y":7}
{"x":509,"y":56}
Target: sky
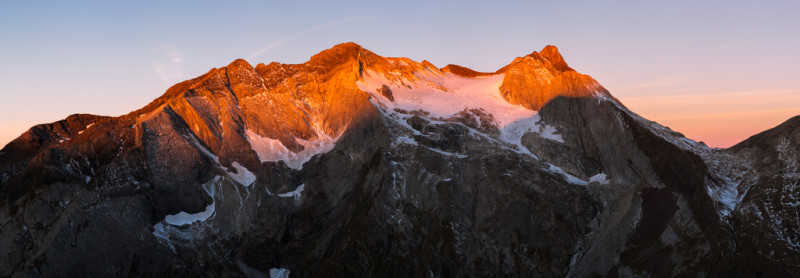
{"x":716,"y":71}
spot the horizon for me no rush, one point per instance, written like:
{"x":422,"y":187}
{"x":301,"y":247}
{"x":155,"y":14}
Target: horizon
{"x":719,"y":75}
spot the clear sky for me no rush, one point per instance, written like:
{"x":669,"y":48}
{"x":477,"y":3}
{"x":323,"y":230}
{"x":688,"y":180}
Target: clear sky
{"x":717,"y":71}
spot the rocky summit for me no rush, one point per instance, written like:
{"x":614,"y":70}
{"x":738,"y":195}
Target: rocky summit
{"x":358,"y":165}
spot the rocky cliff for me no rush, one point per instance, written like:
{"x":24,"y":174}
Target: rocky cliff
{"x":354,"y":164}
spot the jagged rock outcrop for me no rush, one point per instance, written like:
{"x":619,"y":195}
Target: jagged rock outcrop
{"x":537,"y":78}
{"x":462,"y":71}
{"x":353,"y":164}
{"x":766,"y":225}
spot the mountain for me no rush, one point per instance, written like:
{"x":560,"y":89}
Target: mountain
{"x":354,"y":164}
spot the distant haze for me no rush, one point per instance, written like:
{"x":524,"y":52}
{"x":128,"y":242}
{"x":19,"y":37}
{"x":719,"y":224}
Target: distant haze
{"x":717,"y":71}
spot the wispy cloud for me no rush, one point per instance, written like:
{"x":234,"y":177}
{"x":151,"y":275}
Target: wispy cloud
{"x":722,"y":47}
{"x":331,"y":24}
{"x":661,"y":82}
{"x":720,"y":119}
{"x":743,"y":104}
{"x":171,"y":68}
{"x":737,"y":114}
{"x":774,"y":95}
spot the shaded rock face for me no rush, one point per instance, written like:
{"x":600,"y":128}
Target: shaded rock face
{"x":766,"y":223}
{"x":657,"y":218}
{"x":247,"y":169}
{"x":386,"y":92}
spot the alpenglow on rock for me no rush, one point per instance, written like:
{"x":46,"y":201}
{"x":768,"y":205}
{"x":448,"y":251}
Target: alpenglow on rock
{"x":358,"y":165}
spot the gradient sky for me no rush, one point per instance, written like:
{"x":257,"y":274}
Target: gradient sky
{"x":717,"y":71}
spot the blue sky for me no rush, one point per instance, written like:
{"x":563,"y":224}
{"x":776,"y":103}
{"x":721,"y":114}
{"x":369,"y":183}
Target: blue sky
{"x":717,"y":71}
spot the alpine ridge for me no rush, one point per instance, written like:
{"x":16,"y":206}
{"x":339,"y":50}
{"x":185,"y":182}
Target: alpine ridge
{"x":357,"y":165}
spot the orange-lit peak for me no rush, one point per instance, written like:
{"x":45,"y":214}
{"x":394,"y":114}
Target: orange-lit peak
{"x":463,"y":71}
{"x":539,"y":77}
{"x":551,"y":53}
{"x":337,"y":55}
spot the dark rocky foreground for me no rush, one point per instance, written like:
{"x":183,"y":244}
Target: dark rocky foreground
{"x":401,"y":194}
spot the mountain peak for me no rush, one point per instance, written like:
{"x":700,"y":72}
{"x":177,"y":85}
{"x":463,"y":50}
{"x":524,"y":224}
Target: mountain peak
{"x":239,"y":63}
{"x":550,"y":52}
{"x":337,"y":55}
{"x":539,"y":77}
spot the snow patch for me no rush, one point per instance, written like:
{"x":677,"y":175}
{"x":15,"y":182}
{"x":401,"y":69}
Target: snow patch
{"x":726,"y":195}
{"x":163,"y":229}
{"x":600,"y":178}
{"x":184,"y":218}
{"x":294,"y":194}
{"x":568,"y":177}
{"x":203,"y":149}
{"x":457,"y":155}
{"x":242,"y":176}
{"x":273,"y":150}
{"x":84,"y":129}
{"x":160,"y":231}
{"x":549,"y":132}
{"x":173,"y":226}
{"x":278,"y":273}
{"x":446,"y":95}
{"x":789,"y":157}
{"x":410,"y":141}
{"x":405,"y":140}
{"x":513,"y":133}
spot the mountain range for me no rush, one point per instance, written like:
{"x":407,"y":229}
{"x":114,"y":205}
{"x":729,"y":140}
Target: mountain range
{"x":353,"y":165}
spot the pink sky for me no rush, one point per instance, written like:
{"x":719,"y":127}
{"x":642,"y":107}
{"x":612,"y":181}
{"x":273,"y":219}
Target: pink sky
{"x":719,"y":120}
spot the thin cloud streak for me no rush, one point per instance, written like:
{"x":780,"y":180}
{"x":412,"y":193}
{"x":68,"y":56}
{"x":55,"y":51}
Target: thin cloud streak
{"x":776,"y":95}
{"x":661,"y":82}
{"x":715,"y":103}
{"x":331,"y":24}
{"x":720,"y":119}
{"x":734,"y":115}
{"x":171,"y":70}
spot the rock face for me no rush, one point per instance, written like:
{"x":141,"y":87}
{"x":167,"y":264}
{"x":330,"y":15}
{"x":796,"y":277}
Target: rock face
{"x":353,"y":164}
{"x":766,"y":221}
{"x":534,"y":80}
{"x":462,"y":71}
